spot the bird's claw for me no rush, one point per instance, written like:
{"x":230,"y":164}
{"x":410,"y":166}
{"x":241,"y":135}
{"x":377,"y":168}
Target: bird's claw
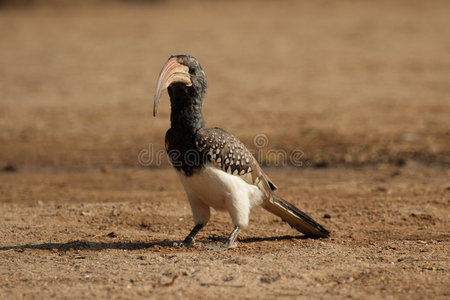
{"x":188,"y":242}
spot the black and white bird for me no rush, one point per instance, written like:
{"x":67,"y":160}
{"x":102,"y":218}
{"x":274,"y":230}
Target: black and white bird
{"x":215,"y":168}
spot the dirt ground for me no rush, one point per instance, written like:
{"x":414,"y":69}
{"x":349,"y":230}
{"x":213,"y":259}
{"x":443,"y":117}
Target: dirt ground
{"x":90,"y":208}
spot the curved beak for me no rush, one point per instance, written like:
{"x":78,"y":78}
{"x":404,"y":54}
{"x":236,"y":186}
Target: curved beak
{"x":172,"y":72}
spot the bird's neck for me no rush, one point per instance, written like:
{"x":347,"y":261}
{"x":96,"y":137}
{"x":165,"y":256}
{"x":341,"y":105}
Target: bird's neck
{"x":186,"y":115}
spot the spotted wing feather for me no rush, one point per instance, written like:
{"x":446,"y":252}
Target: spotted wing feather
{"x":226,"y":152}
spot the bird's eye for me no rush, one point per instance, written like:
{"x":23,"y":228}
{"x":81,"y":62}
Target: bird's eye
{"x":191,"y":71}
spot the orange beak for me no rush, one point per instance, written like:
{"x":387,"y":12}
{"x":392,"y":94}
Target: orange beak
{"x":172,"y":72}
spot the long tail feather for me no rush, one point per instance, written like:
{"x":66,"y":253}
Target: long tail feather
{"x":295,"y":217}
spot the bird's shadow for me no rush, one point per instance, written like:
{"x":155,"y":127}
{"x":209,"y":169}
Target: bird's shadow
{"x":99,"y":246}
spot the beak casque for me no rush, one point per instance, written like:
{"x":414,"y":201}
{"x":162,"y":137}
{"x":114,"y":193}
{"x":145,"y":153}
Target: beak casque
{"x":172,"y":72}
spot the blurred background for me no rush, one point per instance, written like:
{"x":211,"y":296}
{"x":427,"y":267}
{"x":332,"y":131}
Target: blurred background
{"x":346,"y":82}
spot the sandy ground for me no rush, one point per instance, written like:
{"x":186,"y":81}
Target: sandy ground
{"x":110,"y":234}
{"x":90,"y":207}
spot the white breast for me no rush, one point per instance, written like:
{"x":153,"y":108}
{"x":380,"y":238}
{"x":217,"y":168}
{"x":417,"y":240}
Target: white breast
{"x":221,"y":190}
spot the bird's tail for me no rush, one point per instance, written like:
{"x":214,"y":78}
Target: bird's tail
{"x":295,"y":217}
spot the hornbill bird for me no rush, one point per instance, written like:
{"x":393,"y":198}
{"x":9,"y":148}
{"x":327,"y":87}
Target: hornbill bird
{"x":215,"y":168}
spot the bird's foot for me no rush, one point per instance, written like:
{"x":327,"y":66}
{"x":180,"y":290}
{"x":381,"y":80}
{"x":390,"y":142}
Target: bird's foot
{"x":224,"y":246}
{"x":187,"y":243}
{"x":230,"y":243}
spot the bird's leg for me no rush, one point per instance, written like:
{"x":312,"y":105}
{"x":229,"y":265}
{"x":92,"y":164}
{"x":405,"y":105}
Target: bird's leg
{"x":189,"y":240}
{"x":229,"y":243}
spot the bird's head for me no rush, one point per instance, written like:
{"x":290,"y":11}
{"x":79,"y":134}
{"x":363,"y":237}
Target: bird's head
{"x":183,"y":77}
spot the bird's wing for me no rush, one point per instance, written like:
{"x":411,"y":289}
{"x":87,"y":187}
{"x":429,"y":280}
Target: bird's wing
{"x":224,"y":151}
